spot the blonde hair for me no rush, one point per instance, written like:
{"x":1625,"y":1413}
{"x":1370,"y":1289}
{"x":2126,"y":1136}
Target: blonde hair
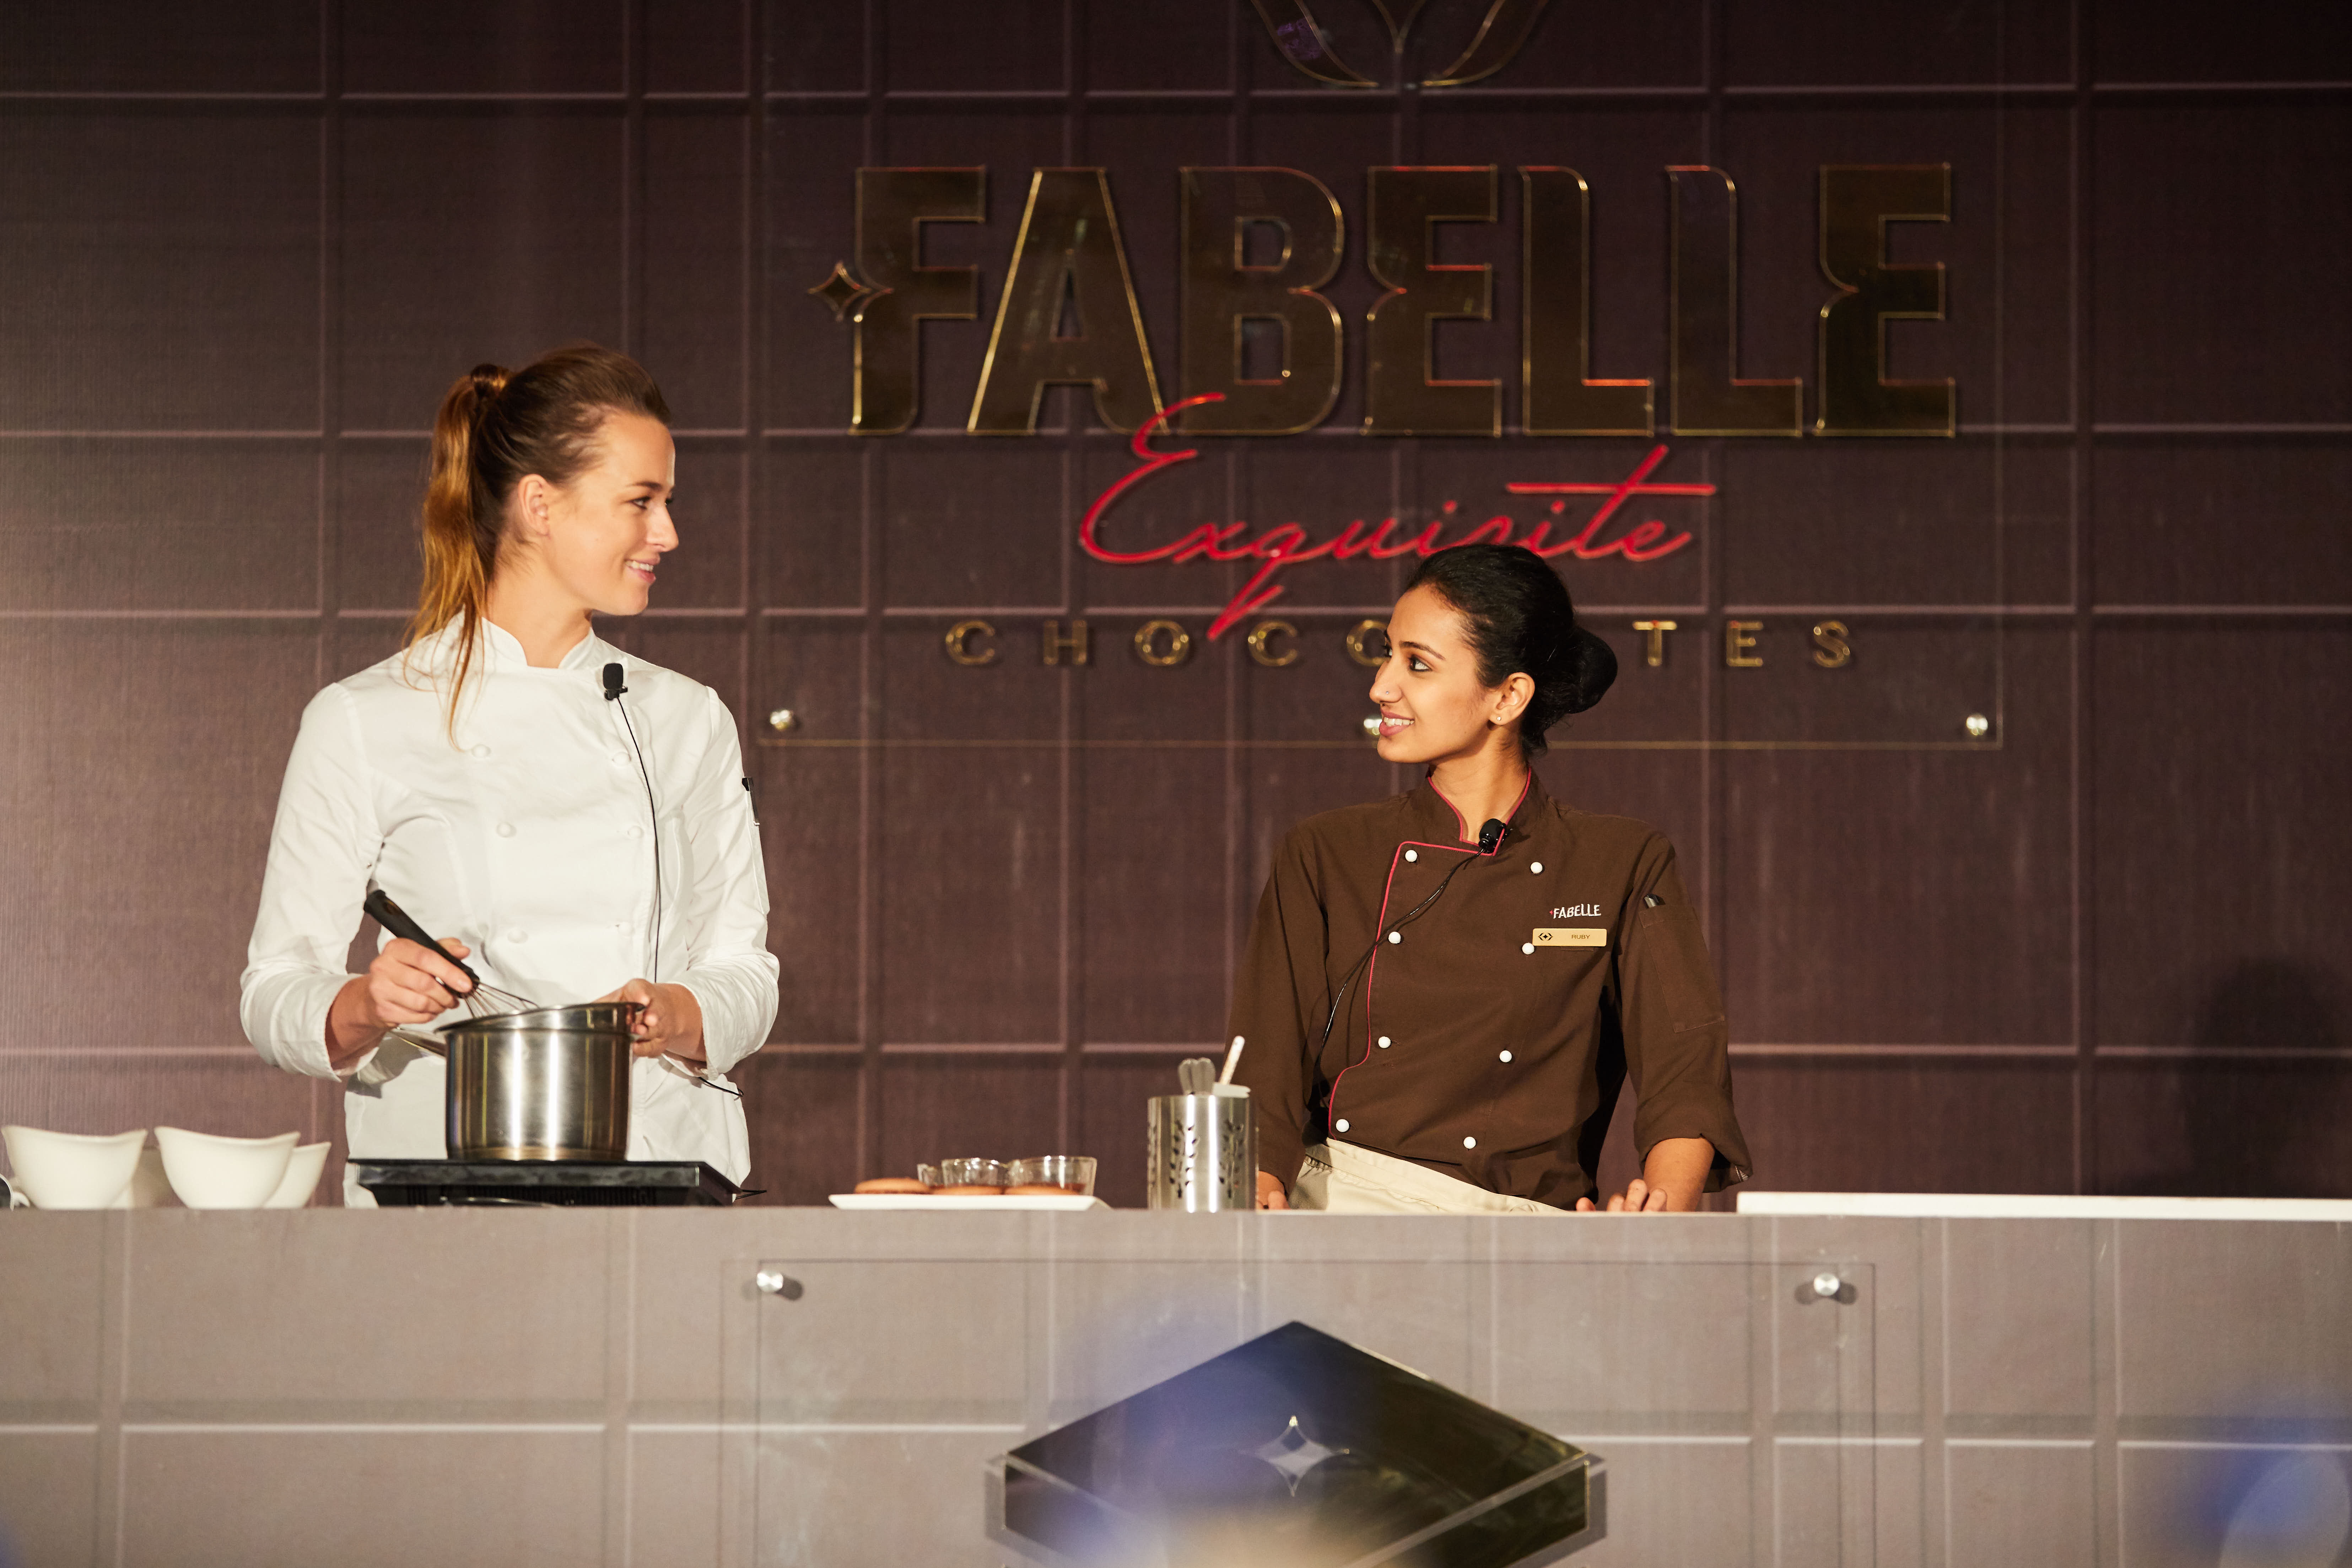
{"x":496,"y":426}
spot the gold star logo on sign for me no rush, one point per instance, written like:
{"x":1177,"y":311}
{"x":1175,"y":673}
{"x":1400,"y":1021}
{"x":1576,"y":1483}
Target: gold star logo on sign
{"x":844,"y":293}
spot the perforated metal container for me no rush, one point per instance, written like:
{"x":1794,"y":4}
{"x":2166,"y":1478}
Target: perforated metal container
{"x":1202,"y":1156}
{"x":547,"y":1085}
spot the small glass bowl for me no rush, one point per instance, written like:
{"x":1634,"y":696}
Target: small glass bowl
{"x":929,"y":1175}
{"x":970,"y":1173}
{"x":1071,"y":1173}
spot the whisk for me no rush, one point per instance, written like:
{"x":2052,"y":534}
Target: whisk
{"x":485,"y":1000}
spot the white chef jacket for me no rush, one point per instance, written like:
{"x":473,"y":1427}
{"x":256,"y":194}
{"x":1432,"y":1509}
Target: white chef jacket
{"x":524,"y":837}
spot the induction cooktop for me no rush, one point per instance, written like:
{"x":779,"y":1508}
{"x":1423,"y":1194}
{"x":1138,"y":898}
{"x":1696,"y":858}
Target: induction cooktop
{"x":539,"y":1184}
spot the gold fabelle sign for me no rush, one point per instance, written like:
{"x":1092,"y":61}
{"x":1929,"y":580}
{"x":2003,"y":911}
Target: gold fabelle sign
{"x":1261,"y":353}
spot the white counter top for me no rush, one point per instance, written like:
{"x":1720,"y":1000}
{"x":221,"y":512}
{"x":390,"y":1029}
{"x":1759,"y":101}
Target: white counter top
{"x":2041,"y":1205}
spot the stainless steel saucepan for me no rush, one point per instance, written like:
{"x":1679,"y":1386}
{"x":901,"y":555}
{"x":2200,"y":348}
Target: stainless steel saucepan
{"x":550,"y":1085}
{"x":527,"y":1082}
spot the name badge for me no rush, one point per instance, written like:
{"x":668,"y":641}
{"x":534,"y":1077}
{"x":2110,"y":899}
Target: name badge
{"x":1571,"y":937}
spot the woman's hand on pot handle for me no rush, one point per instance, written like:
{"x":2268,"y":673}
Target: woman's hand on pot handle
{"x":670,"y":1024}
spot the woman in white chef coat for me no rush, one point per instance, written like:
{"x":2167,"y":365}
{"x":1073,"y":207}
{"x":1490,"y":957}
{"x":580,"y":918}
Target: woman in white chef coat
{"x":483,"y":779}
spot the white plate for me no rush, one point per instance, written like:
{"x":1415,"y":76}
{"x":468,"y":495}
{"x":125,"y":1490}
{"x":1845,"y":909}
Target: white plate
{"x":1063,"y":1202}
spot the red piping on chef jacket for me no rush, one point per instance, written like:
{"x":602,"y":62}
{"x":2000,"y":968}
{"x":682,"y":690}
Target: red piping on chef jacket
{"x":1331,"y":1110}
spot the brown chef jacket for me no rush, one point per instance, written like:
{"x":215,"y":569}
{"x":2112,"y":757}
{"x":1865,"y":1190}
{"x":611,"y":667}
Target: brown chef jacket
{"x":1475,"y":1043}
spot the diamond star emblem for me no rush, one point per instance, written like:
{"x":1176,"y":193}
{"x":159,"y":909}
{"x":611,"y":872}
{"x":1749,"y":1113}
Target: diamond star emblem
{"x":843,"y":293}
{"x":1294,"y":1453}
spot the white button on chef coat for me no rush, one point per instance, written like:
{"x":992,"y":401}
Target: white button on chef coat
{"x":1536,"y":868}
{"x":1340,"y":1125}
{"x":1384,"y":1042}
{"x":1413,"y":854}
{"x":1506,"y":1056}
{"x":1469,"y":1143}
{"x":376,"y":792}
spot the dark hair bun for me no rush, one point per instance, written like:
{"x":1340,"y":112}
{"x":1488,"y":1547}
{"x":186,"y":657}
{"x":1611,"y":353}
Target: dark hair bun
{"x":1521,"y":620}
{"x":1596,"y":670}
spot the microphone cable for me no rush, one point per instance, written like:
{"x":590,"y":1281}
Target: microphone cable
{"x":1490,"y":839}
{"x":613,"y":675}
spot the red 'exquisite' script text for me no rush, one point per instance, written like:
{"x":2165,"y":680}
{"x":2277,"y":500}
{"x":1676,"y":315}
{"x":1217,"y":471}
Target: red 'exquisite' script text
{"x":1285,"y":544}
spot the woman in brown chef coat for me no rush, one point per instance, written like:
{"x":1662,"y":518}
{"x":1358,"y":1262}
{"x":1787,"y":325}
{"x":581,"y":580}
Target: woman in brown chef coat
{"x":1476,"y":1055}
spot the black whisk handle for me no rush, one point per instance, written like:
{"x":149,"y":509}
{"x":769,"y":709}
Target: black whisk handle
{"x":396,"y":920}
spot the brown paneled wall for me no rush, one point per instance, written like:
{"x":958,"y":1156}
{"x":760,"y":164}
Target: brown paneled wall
{"x":2102,"y":948}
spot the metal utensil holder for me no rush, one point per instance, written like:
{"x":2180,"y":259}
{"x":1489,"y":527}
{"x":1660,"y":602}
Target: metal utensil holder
{"x":1202,"y":1156}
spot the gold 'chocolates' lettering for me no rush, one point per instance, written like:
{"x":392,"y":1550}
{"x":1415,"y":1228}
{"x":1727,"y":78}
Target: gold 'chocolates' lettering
{"x":1163,"y":643}
{"x":1857,"y":204}
{"x":1709,"y":396}
{"x":1556,"y":320}
{"x":1057,"y":644}
{"x":1654,"y":640}
{"x":1261,"y":644}
{"x":1148,"y":649}
{"x":1402,"y":396}
{"x":1069,"y":269}
{"x":959,"y":643}
{"x":893,"y":205}
{"x":1223,"y":292}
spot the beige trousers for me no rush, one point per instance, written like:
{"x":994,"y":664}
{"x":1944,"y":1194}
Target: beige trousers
{"x":1340,"y":1178}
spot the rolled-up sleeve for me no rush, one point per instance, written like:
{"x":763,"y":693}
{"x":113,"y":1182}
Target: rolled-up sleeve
{"x":323,"y":847}
{"x":728,"y":966}
{"x":1677,"y":1039}
{"x":1279,"y":997}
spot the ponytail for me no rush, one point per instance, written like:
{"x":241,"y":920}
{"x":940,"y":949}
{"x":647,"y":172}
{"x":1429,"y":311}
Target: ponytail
{"x":462,"y":525}
{"x":495,"y":427}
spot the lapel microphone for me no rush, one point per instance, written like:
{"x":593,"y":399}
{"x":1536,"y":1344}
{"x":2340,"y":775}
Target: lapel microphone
{"x":1490,"y":839}
{"x":613,"y":675}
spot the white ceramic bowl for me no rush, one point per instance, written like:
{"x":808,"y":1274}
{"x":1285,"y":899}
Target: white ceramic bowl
{"x":72,"y":1170}
{"x":150,"y":1188}
{"x":302,"y":1168}
{"x":209,"y":1171}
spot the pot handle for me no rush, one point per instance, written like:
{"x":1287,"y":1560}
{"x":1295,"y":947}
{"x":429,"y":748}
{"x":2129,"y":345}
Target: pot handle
{"x":429,"y":1046}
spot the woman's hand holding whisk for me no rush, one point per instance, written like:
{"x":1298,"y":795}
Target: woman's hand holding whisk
{"x":670,"y":1024}
{"x":407,"y":984}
